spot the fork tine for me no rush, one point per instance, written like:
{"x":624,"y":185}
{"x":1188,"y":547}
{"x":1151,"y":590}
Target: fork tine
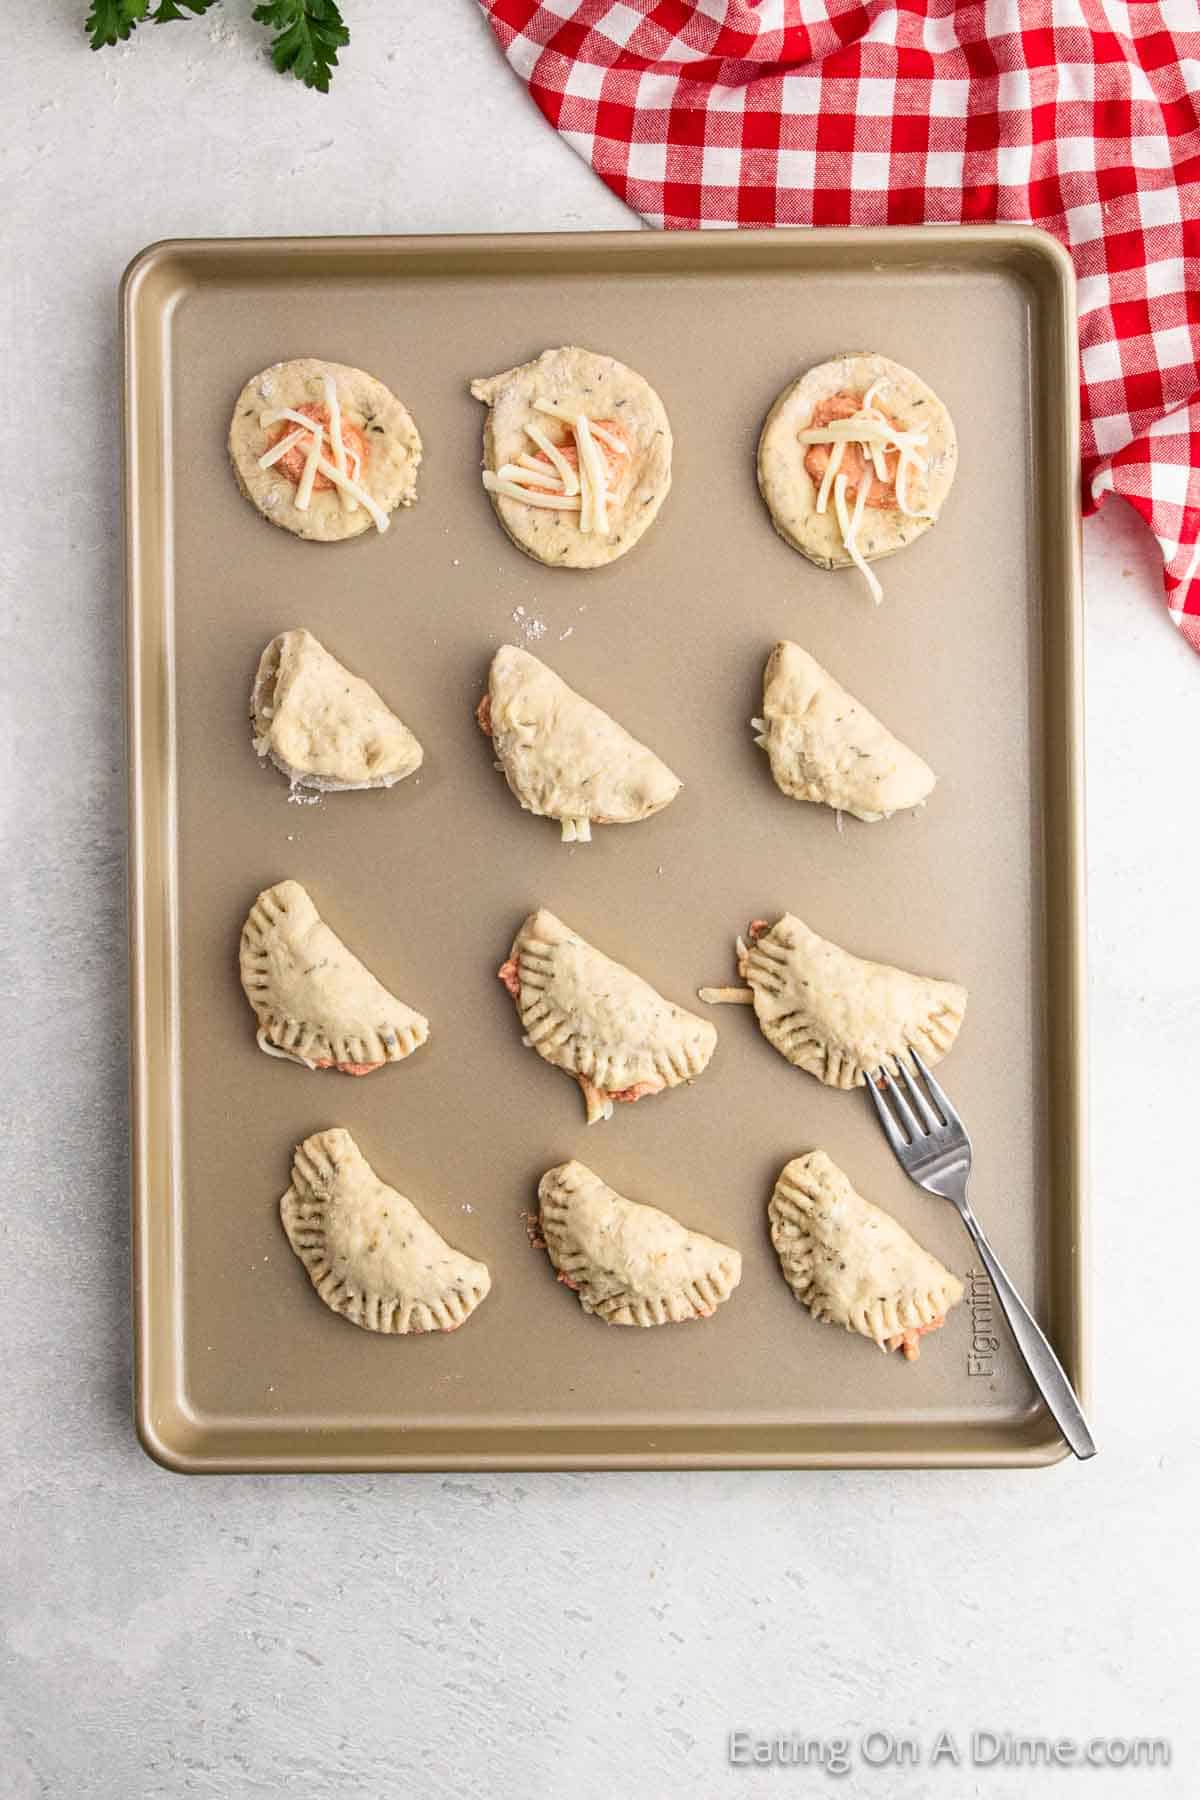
{"x":938,"y":1097}
{"x":907,"y":1116}
{"x":929,"y":1120}
{"x":891,"y":1130}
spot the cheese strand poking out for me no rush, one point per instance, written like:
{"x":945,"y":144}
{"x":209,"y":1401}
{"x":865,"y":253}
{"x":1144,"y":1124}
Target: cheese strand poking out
{"x":333,"y":408}
{"x":848,"y":530}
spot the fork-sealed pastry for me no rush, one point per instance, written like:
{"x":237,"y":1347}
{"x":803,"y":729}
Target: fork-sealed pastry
{"x":599,"y":1021}
{"x":825,"y":746}
{"x":316,"y":1003}
{"x":323,"y":449}
{"x":836,"y":1015}
{"x":322,"y":726}
{"x":564,"y":758}
{"x":370,"y":1254}
{"x":576,"y":456}
{"x":630,"y":1264}
{"x":855,"y":460}
{"x":851,"y":1263}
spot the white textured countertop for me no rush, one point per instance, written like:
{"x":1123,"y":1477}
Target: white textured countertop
{"x":498,"y":1635}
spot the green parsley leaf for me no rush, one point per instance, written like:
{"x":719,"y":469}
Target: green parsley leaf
{"x":166,"y":10}
{"x":111,"y":21}
{"x":311,"y":32}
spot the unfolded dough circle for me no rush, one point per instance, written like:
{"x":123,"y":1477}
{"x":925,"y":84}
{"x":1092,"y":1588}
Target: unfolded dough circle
{"x":387,"y":427}
{"x":580,"y":381}
{"x":790,"y":491}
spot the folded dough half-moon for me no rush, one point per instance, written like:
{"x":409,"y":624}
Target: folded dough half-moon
{"x":316,"y":1003}
{"x":834,"y":1014}
{"x":321,"y":725}
{"x":853,"y":1264}
{"x":564,"y":758}
{"x":826,"y":746}
{"x":370,"y":1254}
{"x":630,"y":1264}
{"x":599,"y":1021}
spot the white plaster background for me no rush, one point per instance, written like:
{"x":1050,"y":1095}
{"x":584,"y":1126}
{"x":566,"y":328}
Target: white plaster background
{"x":547,"y":1636}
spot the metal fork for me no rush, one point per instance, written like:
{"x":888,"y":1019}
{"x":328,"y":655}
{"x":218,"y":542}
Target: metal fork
{"x":936,"y":1154}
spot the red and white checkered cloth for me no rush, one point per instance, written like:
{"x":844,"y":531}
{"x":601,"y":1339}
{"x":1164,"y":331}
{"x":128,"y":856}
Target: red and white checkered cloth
{"x":1080,"y":115}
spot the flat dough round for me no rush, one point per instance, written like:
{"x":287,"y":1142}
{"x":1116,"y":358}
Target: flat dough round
{"x":393,"y":441}
{"x":580,"y":381}
{"x":790,"y":491}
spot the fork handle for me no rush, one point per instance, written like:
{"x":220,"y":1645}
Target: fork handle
{"x":1034,"y":1346}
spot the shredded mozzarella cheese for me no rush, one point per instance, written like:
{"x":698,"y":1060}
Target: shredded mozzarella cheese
{"x":332,"y":473}
{"x":836,"y":453}
{"x":289,"y":412}
{"x":583,"y":489}
{"x":591,"y":465}
{"x":318,"y":463}
{"x":333,"y":407}
{"x":562,"y":467}
{"x":533,"y":496}
{"x":526,"y":473}
{"x":902,"y":494}
{"x":847,"y":530}
{"x":304,"y":492}
{"x":876,"y":436}
{"x":610,"y":438}
{"x":861,"y":430}
{"x":281,"y":449}
{"x":284,"y":1055}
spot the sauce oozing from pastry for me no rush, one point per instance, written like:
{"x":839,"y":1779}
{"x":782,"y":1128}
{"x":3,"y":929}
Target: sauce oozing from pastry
{"x":510,"y":974}
{"x":907,"y":1340}
{"x":291,"y":464}
{"x":345,"y":1068}
{"x":638,"y":1091}
{"x":483,"y":715}
{"x":855,"y":462}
